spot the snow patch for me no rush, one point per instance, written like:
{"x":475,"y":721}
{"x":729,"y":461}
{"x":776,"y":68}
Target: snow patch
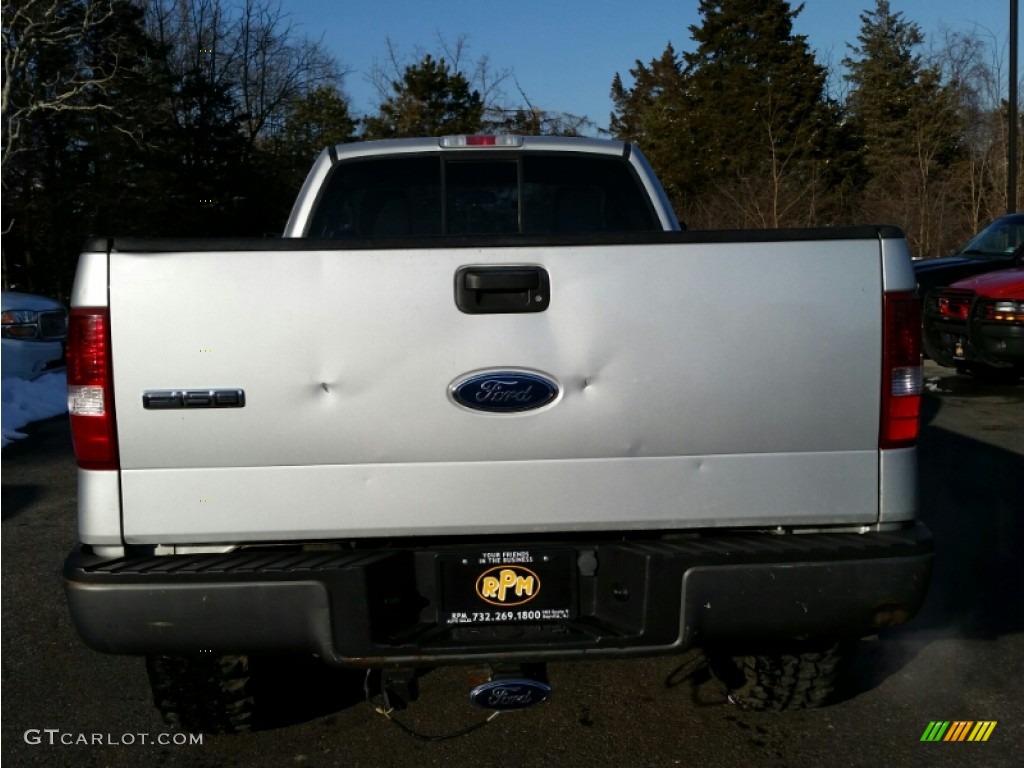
{"x":27,"y":401}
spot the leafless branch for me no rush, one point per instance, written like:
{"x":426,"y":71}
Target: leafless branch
{"x":31,"y":29}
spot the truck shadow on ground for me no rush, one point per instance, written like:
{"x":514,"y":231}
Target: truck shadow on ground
{"x":17,"y":498}
{"x":292,"y":690}
{"x":48,"y":441}
{"x":972,"y":499}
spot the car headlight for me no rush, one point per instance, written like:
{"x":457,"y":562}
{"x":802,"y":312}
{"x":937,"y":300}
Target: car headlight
{"x":20,"y":324}
{"x":1003,"y":311}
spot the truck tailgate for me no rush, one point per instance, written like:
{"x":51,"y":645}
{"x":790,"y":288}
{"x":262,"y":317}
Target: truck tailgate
{"x":701,"y":384}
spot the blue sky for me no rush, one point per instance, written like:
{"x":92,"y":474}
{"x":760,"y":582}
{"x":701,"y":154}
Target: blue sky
{"x":564,"y":55}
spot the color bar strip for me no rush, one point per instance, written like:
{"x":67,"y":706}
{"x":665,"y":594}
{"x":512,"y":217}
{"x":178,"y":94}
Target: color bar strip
{"x":935,"y":731}
{"x":959,"y":730}
{"x":982,"y":730}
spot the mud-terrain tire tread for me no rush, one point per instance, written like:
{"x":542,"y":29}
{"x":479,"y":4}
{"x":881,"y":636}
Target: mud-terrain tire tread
{"x":799,"y":679}
{"x":203,"y":694}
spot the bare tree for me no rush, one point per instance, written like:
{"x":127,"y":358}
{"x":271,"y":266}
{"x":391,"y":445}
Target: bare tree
{"x":500,"y":111}
{"x":275,"y":65}
{"x":36,"y":29}
{"x":479,"y":73}
{"x":973,"y":62}
{"x":252,"y":51}
{"x":530,"y":120}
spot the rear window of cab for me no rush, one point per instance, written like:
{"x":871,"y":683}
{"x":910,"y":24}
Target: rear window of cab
{"x":403,"y":196}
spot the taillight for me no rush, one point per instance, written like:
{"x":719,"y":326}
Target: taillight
{"x":901,"y":370}
{"x":90,"y":389}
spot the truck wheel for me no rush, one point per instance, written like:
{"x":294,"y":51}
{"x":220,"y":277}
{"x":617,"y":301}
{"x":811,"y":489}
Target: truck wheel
{"x":797,"y":677}
{"x":202,"y":694}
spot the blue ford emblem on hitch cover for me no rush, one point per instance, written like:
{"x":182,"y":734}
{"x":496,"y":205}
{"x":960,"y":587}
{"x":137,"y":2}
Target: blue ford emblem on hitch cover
{"x":504,"y":391}
{"x":505,"y":695}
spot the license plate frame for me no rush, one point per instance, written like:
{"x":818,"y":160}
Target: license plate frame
{"x":506,"y":585}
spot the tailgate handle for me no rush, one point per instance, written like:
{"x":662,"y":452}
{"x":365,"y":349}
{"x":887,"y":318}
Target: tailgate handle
{"x":482,"y":289}
{"x":510,"y":281}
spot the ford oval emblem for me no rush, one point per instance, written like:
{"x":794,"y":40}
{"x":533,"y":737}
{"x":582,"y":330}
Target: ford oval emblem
{"x":504,"y":695}
{"x":506,"y":391}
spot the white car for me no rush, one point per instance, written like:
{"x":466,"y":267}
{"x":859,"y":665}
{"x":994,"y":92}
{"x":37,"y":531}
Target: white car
{"x":34,"y":332}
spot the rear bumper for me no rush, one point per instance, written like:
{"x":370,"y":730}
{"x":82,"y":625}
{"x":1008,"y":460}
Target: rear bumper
{"x":375,"y":608}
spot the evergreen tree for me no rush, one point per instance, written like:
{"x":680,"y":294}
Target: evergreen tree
{"x":761,"y":121}
{"x":740,"y":127}
{"x":891,"y":86}
{"x":654,"y":114}
{"x":207,"y":153}
{"x":430,"y":100}
{"x":313,"y":122}
{"x":911,"y":125}
{"x":317,"y":120}
{"x":113,"y":148}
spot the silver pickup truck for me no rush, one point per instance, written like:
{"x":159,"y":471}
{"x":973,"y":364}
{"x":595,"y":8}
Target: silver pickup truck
{"x":486,"y":404}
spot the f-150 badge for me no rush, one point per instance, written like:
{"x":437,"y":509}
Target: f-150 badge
{"x":504,"y":391}
{"x":164,"y":399}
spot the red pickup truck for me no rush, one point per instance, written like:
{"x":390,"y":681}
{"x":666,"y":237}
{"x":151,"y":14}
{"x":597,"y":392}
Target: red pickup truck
{"x":977,"y":325}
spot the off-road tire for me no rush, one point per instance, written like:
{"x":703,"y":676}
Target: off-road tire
{"x":796,"y":677}
{"x":203,"y":694}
